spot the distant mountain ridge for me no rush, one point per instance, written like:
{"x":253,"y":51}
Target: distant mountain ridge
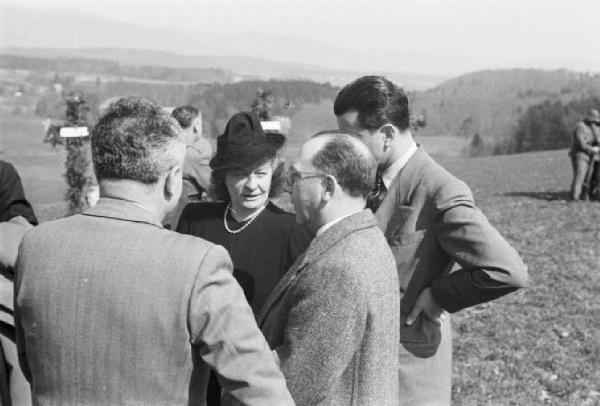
{"x":72,"y":33}
{"x":242,"y":67}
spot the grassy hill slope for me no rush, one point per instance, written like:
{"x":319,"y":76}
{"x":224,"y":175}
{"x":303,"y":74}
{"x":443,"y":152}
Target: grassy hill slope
{"x":540,"y":345}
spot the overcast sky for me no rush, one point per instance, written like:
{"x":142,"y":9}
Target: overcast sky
{"x":476,"y":34}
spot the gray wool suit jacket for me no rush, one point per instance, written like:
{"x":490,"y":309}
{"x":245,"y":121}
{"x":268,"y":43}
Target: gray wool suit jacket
{"x":441,"y":240}
{"x":110,"y":308}
{"x":333,"y":319}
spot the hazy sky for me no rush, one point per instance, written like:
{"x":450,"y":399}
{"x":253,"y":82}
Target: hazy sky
{"x":474,"y":33}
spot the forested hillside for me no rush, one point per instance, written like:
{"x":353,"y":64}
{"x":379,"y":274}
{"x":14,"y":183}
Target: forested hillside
{"x":492,"y":112}
{"x":489,"y":104}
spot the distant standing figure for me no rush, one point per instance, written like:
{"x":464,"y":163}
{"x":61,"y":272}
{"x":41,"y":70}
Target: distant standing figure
{"x":111,"y":308}
{"x":584,"y":149}
{"x":448,"y":255}
{"x":334,"y":319}
{"x":16,"y":217}
{"x":196,"y":169}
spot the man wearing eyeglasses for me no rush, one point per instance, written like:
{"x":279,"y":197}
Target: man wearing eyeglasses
{"x":333,"y":319}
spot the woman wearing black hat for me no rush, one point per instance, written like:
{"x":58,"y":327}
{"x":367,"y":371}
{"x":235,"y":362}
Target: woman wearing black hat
{"x":262,"y":239}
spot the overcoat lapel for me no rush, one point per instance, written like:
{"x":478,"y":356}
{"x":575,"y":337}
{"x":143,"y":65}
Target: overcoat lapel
{"x":319,"y":245}
{"x":401,"y":189}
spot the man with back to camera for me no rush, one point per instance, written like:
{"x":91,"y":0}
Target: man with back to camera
{"x":118,"y":310}
{"x":333,"y":319}
{"x":431,"y":223}
{"x":584,"y":151}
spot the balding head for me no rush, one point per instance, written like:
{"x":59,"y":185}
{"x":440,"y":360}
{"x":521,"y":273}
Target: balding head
{"x":345,"y":157}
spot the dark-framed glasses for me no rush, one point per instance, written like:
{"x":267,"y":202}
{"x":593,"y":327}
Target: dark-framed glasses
{"x":292,"y":176}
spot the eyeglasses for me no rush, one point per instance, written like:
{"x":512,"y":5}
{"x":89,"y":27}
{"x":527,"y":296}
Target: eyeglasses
{"x":292,"y":176}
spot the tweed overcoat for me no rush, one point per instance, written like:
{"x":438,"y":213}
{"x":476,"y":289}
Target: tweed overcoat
{"x":110,"y":308}
{"x":333,"y":319}
{"x":433,"y":227}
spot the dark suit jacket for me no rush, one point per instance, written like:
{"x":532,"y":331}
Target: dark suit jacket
{"x":334,"y":318}
{"x":110,"y":308}
{"x":431,"y":223}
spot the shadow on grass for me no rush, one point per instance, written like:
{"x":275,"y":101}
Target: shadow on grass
{"x":549,"y":196}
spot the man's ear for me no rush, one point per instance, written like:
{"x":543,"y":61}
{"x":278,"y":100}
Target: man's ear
{"x":389,"y":132}
{"x":172,"y":183}
{"x":328,"y":183}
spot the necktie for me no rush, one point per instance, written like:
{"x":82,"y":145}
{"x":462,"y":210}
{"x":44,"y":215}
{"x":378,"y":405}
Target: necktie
{"x":377,"y":194}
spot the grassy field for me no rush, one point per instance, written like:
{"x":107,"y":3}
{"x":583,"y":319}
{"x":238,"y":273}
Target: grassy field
{"x":538,"y":346}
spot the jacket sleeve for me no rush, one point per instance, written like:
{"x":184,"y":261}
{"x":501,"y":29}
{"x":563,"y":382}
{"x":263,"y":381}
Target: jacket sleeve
{"x":225,"y":335}
{"x":324,"y":328}
{"x":488,"y":266}
{"x":19,"y":333}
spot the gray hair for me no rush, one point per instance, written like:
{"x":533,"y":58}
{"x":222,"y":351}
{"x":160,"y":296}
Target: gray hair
{"x":134,"y":140}
{"x":347,"y":159}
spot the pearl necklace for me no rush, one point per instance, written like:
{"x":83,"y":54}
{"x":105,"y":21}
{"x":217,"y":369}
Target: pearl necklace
{"x":248,"y":222}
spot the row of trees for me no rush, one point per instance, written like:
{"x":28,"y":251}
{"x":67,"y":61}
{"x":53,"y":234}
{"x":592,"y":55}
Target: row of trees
{"x":104,"y":67}
{"x":544,"y":126}
{"x":549,"y":125}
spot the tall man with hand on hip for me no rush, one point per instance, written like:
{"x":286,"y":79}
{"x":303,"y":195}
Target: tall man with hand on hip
{"x":431,"y":223}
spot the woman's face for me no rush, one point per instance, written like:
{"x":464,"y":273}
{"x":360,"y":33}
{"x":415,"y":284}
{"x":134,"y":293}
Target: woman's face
{"x":249,"y":188}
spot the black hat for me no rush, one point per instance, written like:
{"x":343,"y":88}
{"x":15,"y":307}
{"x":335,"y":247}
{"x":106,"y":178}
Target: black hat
{"x":244,"y":143}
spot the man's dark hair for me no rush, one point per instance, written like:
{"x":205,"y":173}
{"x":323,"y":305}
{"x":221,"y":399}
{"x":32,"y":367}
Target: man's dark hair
{"x":347,"y":159}
{"x":185,"y":115}
{"x":377,"y":101}
{"x":134,"y":141}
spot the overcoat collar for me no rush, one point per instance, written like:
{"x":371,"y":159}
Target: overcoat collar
{"x":402,"y":185}
{"x":125,"y":210}
{"x":320,"y":244}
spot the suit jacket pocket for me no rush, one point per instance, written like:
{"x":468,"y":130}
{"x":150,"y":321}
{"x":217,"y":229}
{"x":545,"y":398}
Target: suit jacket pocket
{"x":422,"y":338}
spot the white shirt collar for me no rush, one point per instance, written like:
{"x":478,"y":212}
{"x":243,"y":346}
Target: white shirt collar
{"x":390,"y":173}
{"x":331,"y":223}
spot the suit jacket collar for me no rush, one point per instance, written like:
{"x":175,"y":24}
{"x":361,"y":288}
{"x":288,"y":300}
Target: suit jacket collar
{"x":125,"y":210}
{"x":400,"y":189}
{"x":320,"y":244}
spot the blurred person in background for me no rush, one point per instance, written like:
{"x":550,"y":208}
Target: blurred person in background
{"x":196,"y":169}
{"x":262,"y":239}
{"x":16,"y":217}
{"x":448,"y":255}
{"x":118,"y":310}
{"x":584,"y":152}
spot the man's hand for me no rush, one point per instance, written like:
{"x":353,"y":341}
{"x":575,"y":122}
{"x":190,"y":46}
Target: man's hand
{"x":425,"y":303}
{"x":595,"y":149}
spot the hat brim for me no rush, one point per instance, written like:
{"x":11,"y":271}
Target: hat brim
{"x":244,"y":155}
